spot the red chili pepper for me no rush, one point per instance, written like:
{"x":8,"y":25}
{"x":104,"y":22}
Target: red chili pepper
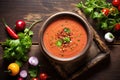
{"x":10,"y":31}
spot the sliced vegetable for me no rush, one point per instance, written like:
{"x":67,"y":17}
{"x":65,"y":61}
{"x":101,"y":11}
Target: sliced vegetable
{"x":33,"y":61}
{"x":13,"y":68}
{"x":23,"y":73}
{"x":109,"y":37}
{"x":20,"y":25}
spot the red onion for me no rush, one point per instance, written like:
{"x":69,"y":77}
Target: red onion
{"x":23,"y":73}
{"x":33,"y":61}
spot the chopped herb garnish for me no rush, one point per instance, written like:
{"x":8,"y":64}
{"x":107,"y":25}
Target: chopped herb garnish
{"x":66,"y":39}
{"x":63,"y":37}
{"x":67,"y":30}
{"x":59,"y":43}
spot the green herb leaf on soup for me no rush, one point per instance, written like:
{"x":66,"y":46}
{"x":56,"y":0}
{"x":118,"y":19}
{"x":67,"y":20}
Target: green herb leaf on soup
{"x":66,"y":39}
{"x":59,"y":43}
{"x":67,"y":30}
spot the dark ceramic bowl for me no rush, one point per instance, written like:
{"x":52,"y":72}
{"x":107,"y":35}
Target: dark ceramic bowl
{"x":69,"y":14}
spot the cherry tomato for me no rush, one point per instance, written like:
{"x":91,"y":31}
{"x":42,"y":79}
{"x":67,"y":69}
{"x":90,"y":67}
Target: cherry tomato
{"x":116,"y":2}
{"x":14,"y":69}
{"x":20,"y":78}
{"x":117,"y":27}
{"x":20,"y":25}
{"x":105,"y":11}
{"x":43,"y":76}
{"x":119,"y":7}
{"x":34,"y":78}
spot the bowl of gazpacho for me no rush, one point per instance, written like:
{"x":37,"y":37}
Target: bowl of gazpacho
{"x":65,"y":36}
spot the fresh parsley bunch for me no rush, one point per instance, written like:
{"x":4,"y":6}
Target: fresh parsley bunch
{"x":16,"y":49}
{"x":102,"y":11}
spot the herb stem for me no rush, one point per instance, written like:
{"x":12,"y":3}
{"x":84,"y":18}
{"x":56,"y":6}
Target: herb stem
{"x":35,"y":22}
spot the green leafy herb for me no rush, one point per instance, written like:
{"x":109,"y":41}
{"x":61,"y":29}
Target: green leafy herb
{"x":63,"y":37}
{"x":33,"y":71}
{"x":59,"y":43}
{"x":66,"y":39}
{"x":17,"y":49}
{"x":19,"y":63}
{"x":67,"y":30}
{"x":104,"y":12}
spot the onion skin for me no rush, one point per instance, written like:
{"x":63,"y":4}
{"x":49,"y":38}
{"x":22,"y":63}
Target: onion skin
{"x":109,"y":37}
{"x":23,"y":73}
{"x":33,"y":61}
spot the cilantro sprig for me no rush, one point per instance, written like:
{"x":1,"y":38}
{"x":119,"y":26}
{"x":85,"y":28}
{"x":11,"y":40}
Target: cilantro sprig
{"x":63,"y":37}
{"x":96,"y":10}
{"x":17,"y":49}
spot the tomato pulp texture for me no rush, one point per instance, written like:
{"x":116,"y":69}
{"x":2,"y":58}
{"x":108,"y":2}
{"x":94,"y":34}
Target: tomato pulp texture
{"x":65,"y":37}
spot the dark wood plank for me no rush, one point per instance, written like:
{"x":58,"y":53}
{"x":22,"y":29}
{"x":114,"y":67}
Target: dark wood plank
{"x":14,"y":10}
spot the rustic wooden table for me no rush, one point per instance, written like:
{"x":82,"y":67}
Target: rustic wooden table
{"x":109,"y":69}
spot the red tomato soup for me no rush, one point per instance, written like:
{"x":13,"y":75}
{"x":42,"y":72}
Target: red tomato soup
{"x":65,"y":37}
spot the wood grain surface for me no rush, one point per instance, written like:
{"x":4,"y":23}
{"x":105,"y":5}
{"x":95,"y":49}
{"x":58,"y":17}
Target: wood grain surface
{"x":29,"y":10}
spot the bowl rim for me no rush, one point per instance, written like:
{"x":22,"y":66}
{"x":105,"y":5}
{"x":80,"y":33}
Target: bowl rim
{"x":84,"y":21}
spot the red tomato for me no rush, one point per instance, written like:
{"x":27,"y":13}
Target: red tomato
{"x":20,"y":78}
{"x":116,"y":2}
{"x":117,"y":27}
{"x":20,"y":25}
{"x":119,"y":7}
{"x":43,"y":76}
{"x":105,"y":11}
{"x":34,"y":78}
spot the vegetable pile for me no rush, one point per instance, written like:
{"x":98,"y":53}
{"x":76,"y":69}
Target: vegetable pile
{"x":16,"y":48}
{"x":106,"y":14}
